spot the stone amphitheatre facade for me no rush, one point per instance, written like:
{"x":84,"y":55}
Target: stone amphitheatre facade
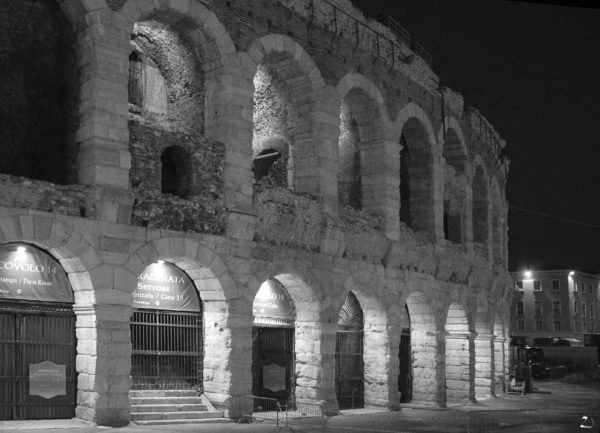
{"x":289,"y":142}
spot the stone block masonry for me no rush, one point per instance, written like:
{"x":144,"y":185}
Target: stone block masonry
{"x":167,"y":109}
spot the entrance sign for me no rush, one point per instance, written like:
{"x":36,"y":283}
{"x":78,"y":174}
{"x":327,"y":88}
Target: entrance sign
{"x":26,"y":272}
{"x":274,"y":377}
{"x":273,"y":306}
{"x":47,"y":379}
{"x":163,"y":286}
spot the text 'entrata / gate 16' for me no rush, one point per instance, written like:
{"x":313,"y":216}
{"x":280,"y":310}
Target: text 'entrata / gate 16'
{"x":166,"y":331}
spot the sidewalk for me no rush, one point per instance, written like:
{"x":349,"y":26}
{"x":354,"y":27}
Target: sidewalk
{"x":555,"y":401}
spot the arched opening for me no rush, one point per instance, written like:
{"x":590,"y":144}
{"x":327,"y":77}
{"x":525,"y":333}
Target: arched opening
{"x":349,"y":164}
{"x":166,"y":331}
{"x":38,"y":379}
{"x":498,"y":223}
{"x":175,"y":171}
{"x":40,"y":92}
{"x":349,"y":364}
{"x":480,"y":211}
{"x":458,"y":356}
{"x":416,"y":173}
{"x":405,"y":360}
{"x":275,"y":111}
{"x":270,"y":162}
{"x":273,"y":361}
{"x":405,"y":214}
{"x":455,"y":183}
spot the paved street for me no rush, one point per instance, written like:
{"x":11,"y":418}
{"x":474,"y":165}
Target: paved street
{"x":559,"y":406}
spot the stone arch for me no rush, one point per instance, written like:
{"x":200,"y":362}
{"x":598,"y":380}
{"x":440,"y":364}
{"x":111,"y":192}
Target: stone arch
{"x":41,"y":94}
{"x":480,"y":207}
{"x":310,"y":333}
{"x":216,"y":289}
{"x":380,"y":361}
{"x":286,"y":82}
{"x":417,"y":172}
{"x":94,"y":284}
{"x":361,"y":147}
{"x":454,"y":157}
{"x":498,"y":222}
{"x":212,"y":43}
{"x":425,"y":349}
{"x":459,"y":350}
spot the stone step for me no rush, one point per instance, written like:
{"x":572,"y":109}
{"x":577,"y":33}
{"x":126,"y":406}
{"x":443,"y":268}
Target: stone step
{"x":183,"y":421}
{"x":163,"y":393}
{"x":171,"y":416}
{"x":165,"y":400}
{"x":195,"y":407}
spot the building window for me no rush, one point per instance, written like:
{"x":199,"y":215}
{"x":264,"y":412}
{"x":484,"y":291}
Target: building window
{"x":519,"y":285}
{"x":521,"y":325}
{"x":574,"y":286}
{"x":575,"y":307}
{"x":538,"y":308}
{"x":520,"y":308}
{"x":575,"y":325}
{"x":557,"y":325}
{"x":583,"y":309}
{"x":537,"y":285}
{"x":539,"y":325}
{"x":555,"y":285}
{"x":591,"y":326}
{"x":556,"y":308}
{"x":591,"y":311}
{"x":590,"y":289}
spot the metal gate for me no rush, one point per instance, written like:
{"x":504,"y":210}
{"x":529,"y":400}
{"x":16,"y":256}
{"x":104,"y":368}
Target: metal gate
{"x":31,"y":334}
{"x":405,"y":363}
{"x":273,"y":363}
{"x":349,"y":366}
{"x":167,"y":350}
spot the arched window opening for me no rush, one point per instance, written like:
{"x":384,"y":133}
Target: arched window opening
{"x":275,"y":123}
{"x":418,"y":168}
{"x":349,"y":383}
{"x":135,"y":87}
{"x":405,"y":214}
{"x":480,"y":211}
{"x":454,"y":158}
{"x":349,"y":168}
{"x":175,"y":172}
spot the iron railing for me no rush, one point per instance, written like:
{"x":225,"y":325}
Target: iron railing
{"x":167,"y":350}
{"x":261,"y":409}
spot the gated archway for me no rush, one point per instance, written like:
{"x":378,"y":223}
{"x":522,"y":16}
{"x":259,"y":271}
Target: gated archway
{"x":405,"y":360}
{"x":166,"y":330}
{"x":37,"y":336}
{"x":273,"y":343}
{"x":349,"y":365}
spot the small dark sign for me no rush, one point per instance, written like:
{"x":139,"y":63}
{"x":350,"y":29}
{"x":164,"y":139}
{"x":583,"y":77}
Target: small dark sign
{"x":27,"y":272}
{"x":274,"y":377}
{"x":163,"y":286}
{"x":273,"y":305}
{"x":47,"y":379}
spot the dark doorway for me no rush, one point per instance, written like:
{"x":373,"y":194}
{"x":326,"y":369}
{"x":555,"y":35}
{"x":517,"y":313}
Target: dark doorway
{"x":273,"y":363}
{"x":405,"y":360}
{"x":37,"y":361}
{"x":273,"y":353}
{"x":349,"y":366}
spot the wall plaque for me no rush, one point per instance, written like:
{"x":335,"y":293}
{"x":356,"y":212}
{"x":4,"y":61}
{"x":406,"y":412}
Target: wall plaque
{"x":47,"y":379}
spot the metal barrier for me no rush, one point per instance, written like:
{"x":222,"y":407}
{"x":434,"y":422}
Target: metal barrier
{"x":261,"y":409}
{"x":514,"y":421}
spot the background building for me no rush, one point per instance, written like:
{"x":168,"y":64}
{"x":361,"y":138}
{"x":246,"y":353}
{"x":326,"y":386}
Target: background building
{"x":230,"y":197}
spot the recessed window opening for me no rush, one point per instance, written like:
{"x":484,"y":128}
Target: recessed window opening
{"x":404,"y":183}
{"x":349,"y":169}
{"x":175,"y":171}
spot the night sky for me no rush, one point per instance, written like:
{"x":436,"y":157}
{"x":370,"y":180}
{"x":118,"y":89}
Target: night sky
{"x":533,"y":70}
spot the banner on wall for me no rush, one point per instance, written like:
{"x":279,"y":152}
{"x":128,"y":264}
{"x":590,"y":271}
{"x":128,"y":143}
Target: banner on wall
{"x":273,"y":306}
{"x":29,"y":273}
{"x":163,"y":286}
